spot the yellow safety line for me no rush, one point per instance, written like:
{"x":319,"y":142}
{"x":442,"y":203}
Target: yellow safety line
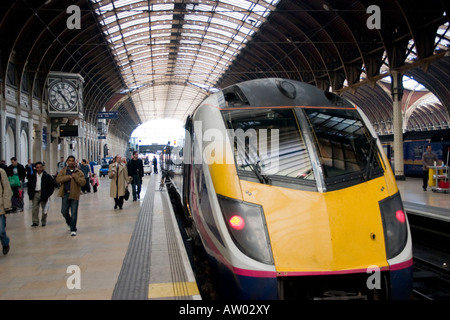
{"x":166,"y":290}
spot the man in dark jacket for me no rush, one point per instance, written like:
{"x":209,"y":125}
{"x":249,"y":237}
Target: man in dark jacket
{"x":136,"y":171}
{"x":429,"y":159}
{"x":40,"y":188}
{"x":18,"y":173}
{"x":16,"y":169}
{"x":84,"y":167}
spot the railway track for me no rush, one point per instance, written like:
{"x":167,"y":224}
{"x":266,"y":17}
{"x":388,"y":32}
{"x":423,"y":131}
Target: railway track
{"x":431,"y":276}
{"x":431,"y":253}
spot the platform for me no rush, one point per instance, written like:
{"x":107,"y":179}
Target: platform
{"x":134,"y":253}
{"x":428,"y":203}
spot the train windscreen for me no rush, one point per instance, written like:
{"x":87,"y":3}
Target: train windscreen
{"x":268,"y":144}
{"x":347,"y":150}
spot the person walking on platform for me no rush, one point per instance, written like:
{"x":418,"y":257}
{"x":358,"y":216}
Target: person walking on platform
{"x":429,"y":158}
{"x":59,"y":166}
{"x":94,"y":181}
{"x":16,"y":175}
{"x":40,"y":187}
{"x":5,"y":205}
{"x":84,"y":167}
{"x":118,"y":174}
{"x":135,"y":169}
{"x":71,"y":180}
{"x":29,"y":169}
{"x":155,"y":165}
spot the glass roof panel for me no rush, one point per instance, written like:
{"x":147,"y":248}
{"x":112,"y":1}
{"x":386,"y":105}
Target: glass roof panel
{"x":163,"y":47}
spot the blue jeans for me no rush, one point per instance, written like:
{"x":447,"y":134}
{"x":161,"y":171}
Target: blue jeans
{"x":3,"y":237}
{"x":136,"y":186}
{"x":71,"y":219}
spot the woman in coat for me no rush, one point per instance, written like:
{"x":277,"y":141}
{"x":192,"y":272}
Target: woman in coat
{"x":118,"y":174}
{"x":5,"y":204}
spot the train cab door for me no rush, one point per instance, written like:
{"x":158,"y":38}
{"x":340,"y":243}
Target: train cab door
{"x":187,"y":154}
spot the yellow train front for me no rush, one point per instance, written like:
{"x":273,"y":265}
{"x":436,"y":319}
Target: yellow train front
{"x":293,"y":197}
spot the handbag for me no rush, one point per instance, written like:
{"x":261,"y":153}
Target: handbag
{"x":127,"y":194}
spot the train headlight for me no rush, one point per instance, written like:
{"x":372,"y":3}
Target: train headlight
{"x":247,"y":226}
{"x":394,"y":225}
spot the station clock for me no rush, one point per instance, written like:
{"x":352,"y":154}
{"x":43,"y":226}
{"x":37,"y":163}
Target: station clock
{"x":63,"y":96}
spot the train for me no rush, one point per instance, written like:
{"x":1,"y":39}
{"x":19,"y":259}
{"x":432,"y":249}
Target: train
{"x":414,"y":145}
{"x":291,"y":195}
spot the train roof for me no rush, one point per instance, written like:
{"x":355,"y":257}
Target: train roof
{"x":280,"y":92}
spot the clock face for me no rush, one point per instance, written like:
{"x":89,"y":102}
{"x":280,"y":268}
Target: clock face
{"x":63,"y":96}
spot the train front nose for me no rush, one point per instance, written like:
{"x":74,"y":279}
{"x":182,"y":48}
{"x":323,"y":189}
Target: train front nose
{"x":335,"y":235}
{"x":325,"y":232}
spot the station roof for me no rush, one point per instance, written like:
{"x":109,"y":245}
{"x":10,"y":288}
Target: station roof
{"x":154,"y":59}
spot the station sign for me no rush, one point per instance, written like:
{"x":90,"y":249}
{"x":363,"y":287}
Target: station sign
{"x":108,"y":115}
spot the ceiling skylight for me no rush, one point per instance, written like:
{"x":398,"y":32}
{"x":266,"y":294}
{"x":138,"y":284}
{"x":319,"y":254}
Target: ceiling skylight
{"x":164,"y":46}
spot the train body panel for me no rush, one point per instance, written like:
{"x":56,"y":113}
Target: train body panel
{"x":325,"y":203}
{"x":312,"y":231}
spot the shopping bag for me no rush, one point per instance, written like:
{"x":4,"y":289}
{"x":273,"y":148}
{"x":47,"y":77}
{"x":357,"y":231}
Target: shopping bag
{"x":14,"y":181}
{"x":47,"y":206}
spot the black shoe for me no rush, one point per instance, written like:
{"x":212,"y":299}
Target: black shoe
{"x":424,"y":189}
{"x":115,"y":207}
{"x":34,"y":225}
{"x":5,"y":250}
{"x":43,"y":224}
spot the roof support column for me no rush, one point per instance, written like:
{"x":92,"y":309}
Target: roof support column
{"x":3,"y":127}
{"x":397,"y":94}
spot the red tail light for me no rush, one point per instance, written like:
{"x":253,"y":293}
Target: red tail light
{"x":400,"y":215}
{"x":394,"y":225}
{"x":237,"y":222}
{"x":246,"y":225}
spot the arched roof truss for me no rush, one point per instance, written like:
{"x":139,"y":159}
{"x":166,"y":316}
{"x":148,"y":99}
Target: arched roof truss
{"x":151,"y":59}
